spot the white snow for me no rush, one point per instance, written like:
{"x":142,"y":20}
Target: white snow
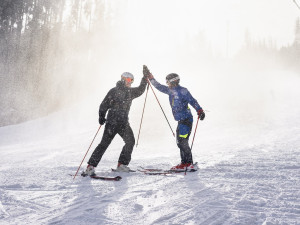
{"x":249,"y":167}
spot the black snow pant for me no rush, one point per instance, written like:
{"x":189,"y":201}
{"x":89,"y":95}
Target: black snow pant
{"x":183,"y":141}
{"x":110,"y":131}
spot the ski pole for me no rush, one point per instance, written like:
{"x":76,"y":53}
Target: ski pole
{"x":160,"y":107}
{"x":87,"y":152}
{"x":195,"y":132}
{"x":142,"y":116}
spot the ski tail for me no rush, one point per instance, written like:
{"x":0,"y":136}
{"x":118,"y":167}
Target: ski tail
{"x":117,"y":178}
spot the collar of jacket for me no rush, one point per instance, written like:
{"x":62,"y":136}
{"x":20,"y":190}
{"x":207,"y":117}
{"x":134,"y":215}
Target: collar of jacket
{"x":121,"y":85}
{"x":174,"y":87}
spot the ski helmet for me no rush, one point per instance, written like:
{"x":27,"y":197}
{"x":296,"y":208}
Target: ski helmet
{"x":173,"y":79}
{"x":126,"y":76}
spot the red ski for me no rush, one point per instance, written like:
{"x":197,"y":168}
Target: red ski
{"x":155,"y":171}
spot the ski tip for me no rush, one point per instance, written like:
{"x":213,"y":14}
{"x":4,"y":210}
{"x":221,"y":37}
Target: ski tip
{"x":83,"y":174}
{"x":118,"y":178}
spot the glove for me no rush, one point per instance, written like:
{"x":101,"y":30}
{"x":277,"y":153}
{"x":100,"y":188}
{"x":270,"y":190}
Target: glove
{"x":102,"y":120}
{"x":147,"y":73}
{"x":201,"y":114}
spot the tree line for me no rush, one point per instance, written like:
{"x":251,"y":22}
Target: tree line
{"x":44,"y":43}
{"x":266,"y":51}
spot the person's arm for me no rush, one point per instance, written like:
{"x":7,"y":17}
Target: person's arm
{"x":138,"y":91}
{"x":158,"y":86}
{"x":193,"y":102}
{"x":105,"y":105}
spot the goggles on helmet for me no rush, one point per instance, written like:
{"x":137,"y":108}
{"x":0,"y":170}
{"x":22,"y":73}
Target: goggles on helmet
{"x":172,"y":80}
{"x":128,"y":79}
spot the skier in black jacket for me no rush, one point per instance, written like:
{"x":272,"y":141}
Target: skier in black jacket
{"x":117,"y":102}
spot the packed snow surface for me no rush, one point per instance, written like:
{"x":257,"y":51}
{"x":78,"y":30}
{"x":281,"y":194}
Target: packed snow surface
{"x":249,"y":173}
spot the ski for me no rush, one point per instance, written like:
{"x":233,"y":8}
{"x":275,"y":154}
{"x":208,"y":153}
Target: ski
{"x":162,"y":172}
{"x":117,"y":178}
{"x":130,"y":171}
{"x":141,"y":169}
{"x":156,"y":171}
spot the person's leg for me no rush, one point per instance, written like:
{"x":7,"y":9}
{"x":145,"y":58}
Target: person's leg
{"x":182,"y":136}
{"x":128,"y":137}
{"x":108,"y":135}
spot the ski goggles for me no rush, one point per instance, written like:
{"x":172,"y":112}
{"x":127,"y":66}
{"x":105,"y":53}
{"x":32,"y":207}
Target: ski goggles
{"x":128,"y":79}
{"x":171,"y":80}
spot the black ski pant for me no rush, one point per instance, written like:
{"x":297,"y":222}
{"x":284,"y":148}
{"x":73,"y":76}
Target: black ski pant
{"x":110,"y":131}
{"x":183,"y":142}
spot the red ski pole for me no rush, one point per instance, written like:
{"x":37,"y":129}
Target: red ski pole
{"x":86,"y":152}
{"x":160,"y":107}
{"x":195,"y":132}
{"x":142,"y":116}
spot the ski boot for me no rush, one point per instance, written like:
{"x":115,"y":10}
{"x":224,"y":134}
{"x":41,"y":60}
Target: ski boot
{"x":122,"y":168}
{"x":90,"y":171}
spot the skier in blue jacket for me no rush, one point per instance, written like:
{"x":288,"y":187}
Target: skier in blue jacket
{"x":180,"y":98}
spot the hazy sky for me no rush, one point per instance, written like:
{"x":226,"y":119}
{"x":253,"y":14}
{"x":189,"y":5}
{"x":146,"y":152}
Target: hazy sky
{"x":223,"y":21}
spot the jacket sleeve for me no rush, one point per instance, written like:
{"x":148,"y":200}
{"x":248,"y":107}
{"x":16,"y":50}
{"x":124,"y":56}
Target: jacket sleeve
{"x":160,"y":87}
{"x":138,"y":91}
{"x":193,"y":102}
{"x":106,"y":103}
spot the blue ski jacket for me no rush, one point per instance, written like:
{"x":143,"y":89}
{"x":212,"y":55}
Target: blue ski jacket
{"x":179,"y":98}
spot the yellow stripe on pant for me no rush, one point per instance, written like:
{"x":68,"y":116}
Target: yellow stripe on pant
{"x":183,"y":136}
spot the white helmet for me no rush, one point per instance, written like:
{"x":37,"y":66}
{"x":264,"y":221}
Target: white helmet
{"x":127,"y":76}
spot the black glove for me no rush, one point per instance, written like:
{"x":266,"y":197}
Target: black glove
{"x":201,"y":114}
{"x":102,"y":120}
{"x":146,"y":72}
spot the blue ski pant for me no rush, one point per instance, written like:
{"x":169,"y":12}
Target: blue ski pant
{"x":183,"y":133}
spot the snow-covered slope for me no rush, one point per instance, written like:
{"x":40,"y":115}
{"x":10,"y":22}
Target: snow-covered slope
{"x":249,"y":172}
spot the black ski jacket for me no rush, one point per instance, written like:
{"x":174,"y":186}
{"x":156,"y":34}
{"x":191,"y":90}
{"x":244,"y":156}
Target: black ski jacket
{"x":118,"y":101}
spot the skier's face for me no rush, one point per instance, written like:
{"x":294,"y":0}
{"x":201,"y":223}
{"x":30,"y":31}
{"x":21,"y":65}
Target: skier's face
{"x":169,"y":84}
{"x":128,"y":81}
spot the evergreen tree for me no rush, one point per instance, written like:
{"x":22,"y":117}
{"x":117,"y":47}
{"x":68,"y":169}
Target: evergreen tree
{"x":297,"y":39}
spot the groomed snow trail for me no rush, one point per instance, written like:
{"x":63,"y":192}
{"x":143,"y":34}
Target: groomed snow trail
{"x":256,"y":185}
{"x":249,"y":171}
